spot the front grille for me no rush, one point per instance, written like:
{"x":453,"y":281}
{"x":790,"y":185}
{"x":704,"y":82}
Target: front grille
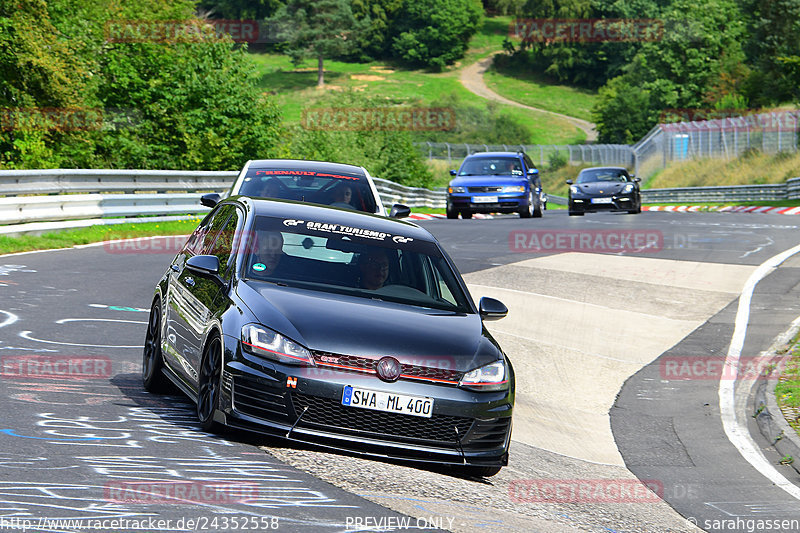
{"x":331,"y":416}
{"x":409,"y":371}
{"x":484,"y":189}
{"x":252,"y":398}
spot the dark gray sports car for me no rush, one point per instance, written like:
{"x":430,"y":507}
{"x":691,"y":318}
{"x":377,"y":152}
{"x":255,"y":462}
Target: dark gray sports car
{"x":604,"y":189}
{"x":331,"y":327}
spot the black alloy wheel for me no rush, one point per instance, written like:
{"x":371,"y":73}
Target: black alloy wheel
{"x":153,"y":378}
{"x":208,"y":389}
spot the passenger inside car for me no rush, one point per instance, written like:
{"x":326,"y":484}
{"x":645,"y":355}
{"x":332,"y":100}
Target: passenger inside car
{"x":373,"y":267}
{"x":271,"y":189}
{"x":342,"y":197}
{"x":268,"y":254}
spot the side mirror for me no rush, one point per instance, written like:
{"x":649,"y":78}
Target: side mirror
{"x":210,"y":200}
{"x":399,"y":211}
{"x":453,"y":172}
{"x":491,"y":309}
{"x":204,"y":265}
{"x":533,"y":171}
{"x":569,"y":182}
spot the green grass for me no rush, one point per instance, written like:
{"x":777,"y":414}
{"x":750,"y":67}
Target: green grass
{"x":755,"y":168}
{"x":787,"y":391}
{"x":535,"y":90}
{"x":294,"y":88}
{"x":73,"y":237}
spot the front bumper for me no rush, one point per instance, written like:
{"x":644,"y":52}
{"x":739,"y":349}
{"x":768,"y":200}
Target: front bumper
{"x":620,"y":202}
{"x":304,"y":404}
{"x":506,"y":202}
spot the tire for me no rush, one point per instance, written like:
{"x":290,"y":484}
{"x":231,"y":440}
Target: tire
{"x":481,"y":471}
{"x":575,"y":213}
{"x":537,"y":210}
{"x":452,"y":214}
{"x":208,"y":385}
{"x":466,"y":214}
{"x":153,"y":378}
{"x":527,"y":212}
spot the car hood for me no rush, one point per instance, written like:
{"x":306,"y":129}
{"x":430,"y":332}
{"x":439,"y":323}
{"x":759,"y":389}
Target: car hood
{"x":601,"y":187}
{"x":488,"y":180}
{"x":342,"y":324}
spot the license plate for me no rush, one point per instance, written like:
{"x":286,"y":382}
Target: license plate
{"x":602,"y":201}
{"x":484,"y":199}
{"x":387,"y":402}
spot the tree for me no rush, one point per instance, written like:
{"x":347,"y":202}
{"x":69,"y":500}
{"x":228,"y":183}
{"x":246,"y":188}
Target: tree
{"x":435,"y":33}
{"x":684,"y":69}
{"x":622,"y":112}
{"x":379,"y":16}
{"x":239,"y":9}
{"x":317,"y":28}
{"x":774,"y":27}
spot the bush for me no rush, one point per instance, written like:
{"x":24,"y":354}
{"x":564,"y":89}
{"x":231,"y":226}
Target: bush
{"x":478,"y":124}
{"x":388,"y":155}
{"x":434,"y":33}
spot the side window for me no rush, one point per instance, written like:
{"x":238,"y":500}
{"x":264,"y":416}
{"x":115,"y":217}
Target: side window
{"x":224,"y":238}
{"x":200,"y":237}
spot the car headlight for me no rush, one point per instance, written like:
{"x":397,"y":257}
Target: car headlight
{"x":269,"y":344}
{"x":573,"y":189}
{"x":516,"y":188}
{"x":451,"y":190}
{"x":491,"y":377}
{"x":628,"y":188}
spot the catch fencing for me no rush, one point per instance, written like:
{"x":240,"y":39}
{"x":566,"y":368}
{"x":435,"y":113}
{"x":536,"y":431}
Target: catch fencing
{"x":728,"y":137}
{"x":542,"y":155}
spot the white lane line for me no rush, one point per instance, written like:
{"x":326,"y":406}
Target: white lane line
{"x":27,"y":336}
{"x":737,"y":433}
{"x":65,"y":320}
{"x":10,"y":318}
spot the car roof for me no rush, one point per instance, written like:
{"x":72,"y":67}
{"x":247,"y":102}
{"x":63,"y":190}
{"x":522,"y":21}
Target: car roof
{"x":605,"y":168}
{"x":302,"y":164}
{"x":288,"y":209}
{"x":495,"y":154}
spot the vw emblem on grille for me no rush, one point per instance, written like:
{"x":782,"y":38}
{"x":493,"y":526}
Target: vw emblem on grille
{"x":388,"y":369}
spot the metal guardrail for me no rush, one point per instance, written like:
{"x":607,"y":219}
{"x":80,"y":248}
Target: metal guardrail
{"x":41,"y":200}
{"x":38,"y":200}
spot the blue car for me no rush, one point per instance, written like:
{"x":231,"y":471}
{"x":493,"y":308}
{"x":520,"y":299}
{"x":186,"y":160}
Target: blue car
{"x":496,"y":182}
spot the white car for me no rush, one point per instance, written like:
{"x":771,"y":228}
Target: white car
{"x":319,"y":182}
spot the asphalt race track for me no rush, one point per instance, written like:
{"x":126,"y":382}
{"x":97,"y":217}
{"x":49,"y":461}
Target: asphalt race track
{"x":604,"y":314}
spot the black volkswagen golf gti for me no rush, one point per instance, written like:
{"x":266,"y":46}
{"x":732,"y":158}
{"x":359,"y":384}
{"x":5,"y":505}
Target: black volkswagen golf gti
{"x":331,"y":327}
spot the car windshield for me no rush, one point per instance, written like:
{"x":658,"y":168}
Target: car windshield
{"x":349,"y":191}
{"x":484,"y":166}
{"x":588,"y":176}
{"x":354,"y":261}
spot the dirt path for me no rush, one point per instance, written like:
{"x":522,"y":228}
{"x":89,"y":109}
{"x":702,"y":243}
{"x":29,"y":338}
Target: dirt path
{"x":472,"y":79}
